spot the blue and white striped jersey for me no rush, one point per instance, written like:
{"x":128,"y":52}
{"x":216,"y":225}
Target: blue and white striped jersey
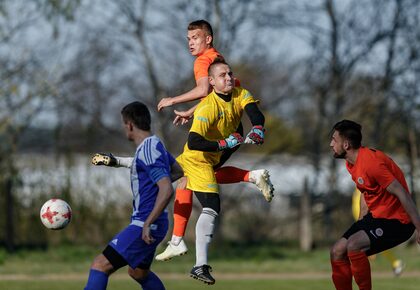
{"x":151,"y":163}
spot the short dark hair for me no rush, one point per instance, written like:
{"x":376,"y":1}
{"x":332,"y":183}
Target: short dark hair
{"x":139,"y":114}
{"x":201,"y":24}
{"x":351,"y":131}
{"x":218,"y":60}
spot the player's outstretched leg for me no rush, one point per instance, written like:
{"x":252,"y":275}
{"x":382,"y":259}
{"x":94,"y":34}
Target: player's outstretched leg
{"x":261,"y":178}
{"x":202,"y":273}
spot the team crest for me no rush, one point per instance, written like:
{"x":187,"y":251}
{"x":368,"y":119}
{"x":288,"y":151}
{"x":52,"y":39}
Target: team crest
{"x":360,"y":180}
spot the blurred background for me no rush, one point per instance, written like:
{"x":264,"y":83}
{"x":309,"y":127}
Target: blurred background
{"x":69,"y":66}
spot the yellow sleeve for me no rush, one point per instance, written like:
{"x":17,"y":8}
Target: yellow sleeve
{"x":246,"y":97}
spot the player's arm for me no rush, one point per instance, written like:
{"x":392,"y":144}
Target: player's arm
{"x":108,"y":159}
{"x":363,"y":206}
{"x":407,"y":202}
{"x":198,"y":142}
{"x":163,"y":197}
{"x":256,"y":135}
{"x":201,"y":90}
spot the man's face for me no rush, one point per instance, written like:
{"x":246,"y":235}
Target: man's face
{"x":338,"y":145}
{"x":198,"y":41}
{"x":221,"y":78}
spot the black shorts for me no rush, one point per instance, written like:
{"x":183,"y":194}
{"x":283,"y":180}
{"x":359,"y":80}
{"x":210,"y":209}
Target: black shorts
{"x":209,"y":199}
{"x":383,"y":233}
{"x":116,"y":260}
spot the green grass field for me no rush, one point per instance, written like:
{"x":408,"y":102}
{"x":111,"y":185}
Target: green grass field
{"x":264,"y":267}
{"x":190,"y":284}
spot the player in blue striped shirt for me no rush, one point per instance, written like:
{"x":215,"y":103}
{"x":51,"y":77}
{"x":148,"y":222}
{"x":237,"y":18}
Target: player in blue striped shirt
{"x":152,"y":172}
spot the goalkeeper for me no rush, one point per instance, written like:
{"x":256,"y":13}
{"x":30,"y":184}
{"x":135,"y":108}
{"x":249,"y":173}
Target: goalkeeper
{"x":214,"y":130}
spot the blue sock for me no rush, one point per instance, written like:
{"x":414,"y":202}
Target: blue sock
{"x":151,"y":282}
{"x":97,"y":280}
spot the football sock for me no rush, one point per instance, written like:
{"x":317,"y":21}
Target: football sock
{"x":175,"y":240}
{"x":97,"y":280}
{"x":230,"y":174}
{"x":341,"y":274}
{"x":360,"y":267}
{"x":151,"y":282}
{"x":204,"y":234}
{"x":182,"y":211}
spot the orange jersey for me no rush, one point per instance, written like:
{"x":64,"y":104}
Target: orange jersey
{"x":203,"y":61}
{"x":373,"y":172}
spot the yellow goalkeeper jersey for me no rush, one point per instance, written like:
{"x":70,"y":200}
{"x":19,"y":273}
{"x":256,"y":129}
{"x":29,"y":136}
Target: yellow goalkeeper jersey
{"x":216,"y":119}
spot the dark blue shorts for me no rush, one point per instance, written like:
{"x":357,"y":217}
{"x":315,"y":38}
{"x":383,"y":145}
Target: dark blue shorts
{"x":130,"y":246}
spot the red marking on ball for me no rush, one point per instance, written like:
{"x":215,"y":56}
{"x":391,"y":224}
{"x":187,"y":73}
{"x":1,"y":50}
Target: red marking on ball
{"x":49,"y":215}
{"x":67,"y":215}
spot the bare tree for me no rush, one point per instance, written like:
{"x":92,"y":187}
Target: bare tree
{"x":25,"y":92}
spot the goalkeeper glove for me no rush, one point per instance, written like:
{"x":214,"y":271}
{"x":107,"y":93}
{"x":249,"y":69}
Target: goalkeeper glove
{"x":106,"y":159}
{"x":233,"y":140}
{"x":256,"y":135}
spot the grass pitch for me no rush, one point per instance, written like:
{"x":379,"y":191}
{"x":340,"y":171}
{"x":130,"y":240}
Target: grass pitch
{"x":260,"y":268}
{"x":388,"y":283}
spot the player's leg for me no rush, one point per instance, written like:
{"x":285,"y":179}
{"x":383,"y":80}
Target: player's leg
{"x":182,"y":212}
{"x":340,"y":264}
{"x":146,"y":278}
{"x":357,"y":245}
{"x":108,"y":159}
{"x":102,"y":267}
{"x":231,"y":174}
{"x":99,"y":274}
{"x":204,"y":230}
{"x":348,"y":257}
{"x":375,"y":235}
{"x":140,"y":256}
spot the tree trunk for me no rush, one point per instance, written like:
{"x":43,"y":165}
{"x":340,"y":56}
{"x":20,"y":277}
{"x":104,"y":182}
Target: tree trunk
{"x":9,"y":204}
{"x":305,"y":219}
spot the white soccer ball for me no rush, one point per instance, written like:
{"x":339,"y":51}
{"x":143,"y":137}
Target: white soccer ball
{"x":55,"y":214}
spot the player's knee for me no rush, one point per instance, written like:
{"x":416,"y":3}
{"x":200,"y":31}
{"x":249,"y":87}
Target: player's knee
{"x":138,"y":274}
{"x":102,"y":264}
{"x":338,"y":251}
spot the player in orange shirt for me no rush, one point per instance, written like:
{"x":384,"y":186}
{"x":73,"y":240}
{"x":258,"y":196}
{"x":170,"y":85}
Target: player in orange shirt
{"x":389,"y":213}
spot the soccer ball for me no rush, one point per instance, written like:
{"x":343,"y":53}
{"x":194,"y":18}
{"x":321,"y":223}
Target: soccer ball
{"x":55,"y":214}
